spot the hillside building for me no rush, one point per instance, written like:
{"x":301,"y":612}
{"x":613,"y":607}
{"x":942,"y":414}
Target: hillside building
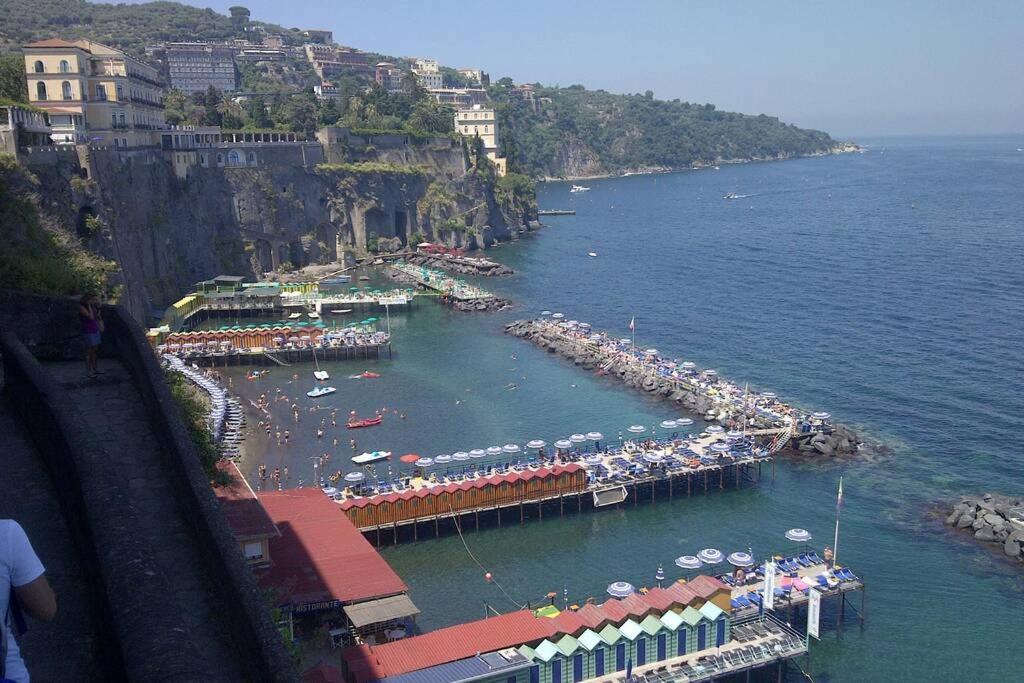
{"x":476,"y":76}
{"x":22,"y":127}
{"x":428,"y":73}
{"x":331,"y":62}
{"x":460,"y":98}
{"x":317,"y":35}
{"x":94,"y":93}
{"x":388,"y":76}
{"x":480,"y":121}
{"x":195,"y":67}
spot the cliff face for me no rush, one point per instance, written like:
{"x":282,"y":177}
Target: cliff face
{"x":168,"y":230}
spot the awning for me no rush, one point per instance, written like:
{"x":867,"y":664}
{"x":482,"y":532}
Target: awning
{"x":378,"y":611}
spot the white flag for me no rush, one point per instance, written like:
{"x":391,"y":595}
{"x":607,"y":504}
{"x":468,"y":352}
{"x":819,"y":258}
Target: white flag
{"x":632,"y":323}
{"x":769,"y":584}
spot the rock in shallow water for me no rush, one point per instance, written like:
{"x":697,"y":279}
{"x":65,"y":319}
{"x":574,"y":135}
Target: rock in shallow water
{"x":1011,"y":548}
{"x":985,"y":534}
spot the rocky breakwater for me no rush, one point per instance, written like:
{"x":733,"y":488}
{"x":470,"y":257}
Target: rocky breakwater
{"x":991,"y":519}
{"x":829,"y":439}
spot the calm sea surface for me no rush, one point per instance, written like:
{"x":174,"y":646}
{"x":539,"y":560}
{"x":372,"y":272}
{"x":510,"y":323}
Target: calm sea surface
{"x":886,"y":288}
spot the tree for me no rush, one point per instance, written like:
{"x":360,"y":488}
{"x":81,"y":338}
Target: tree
{"x":12,"y":78}
{"x":255,"y":110}
{"x":230,"y":113}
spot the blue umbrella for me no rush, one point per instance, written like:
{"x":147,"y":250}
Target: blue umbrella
{"x":621,"y":589}
{"x":710,"y":556}
{"x":688,"y":562}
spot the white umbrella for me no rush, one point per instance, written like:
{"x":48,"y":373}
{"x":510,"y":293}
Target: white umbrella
{"x":688,"y":562}
{"x":684,"y":422}
{"x":710,"y":556}
{"x":734,"y":434}
{"x":355,"y":477}
{"x":461,"y":455}
{"x":593,"y":459}
{"x":714,"y":429}
{"x":669,"y":424}
{"x":492,"y":450}
{"x":510,"y":448}
{"x":330,"y":491}
{"x":563,"y":444}
{"x":637,"y":429}
{"x":558,"y":316}
{"x":770,"y":395}
{"x":424,"y":462}
{"x":545,"y":312}
{"x":653,"y":457}
{"x":720,"y":447}
{"x":478,"y":453}
{"x":595,"y":436}
{"x":536,"y":443}
{"x":443,"y":458}
{"x":577,"y":438}
{"x":821,"y":415}
{"x":798,"y":535}
{"x":741,"y":559}
{"x":621,"y":589}
{"x":627,"y":340}
{"x":651,"y":352}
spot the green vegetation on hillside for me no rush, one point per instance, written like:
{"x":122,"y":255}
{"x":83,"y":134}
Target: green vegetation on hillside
{"x":129,"y":27}
{"x":633,"y":131}
{"x":37,"y":254}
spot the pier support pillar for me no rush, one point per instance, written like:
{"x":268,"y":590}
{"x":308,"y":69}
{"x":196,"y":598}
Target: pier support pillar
{"x":561,"y":506}
{"x":540,"y":510}
{"x":478,"y":520}
{"x":670,"y":488}
{"x":521,"y":513}
{"x":437,"y":529}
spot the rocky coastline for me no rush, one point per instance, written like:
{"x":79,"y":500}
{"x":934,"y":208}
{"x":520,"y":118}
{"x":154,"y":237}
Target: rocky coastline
{"x":840,"y":440}
{"x":987,"y":518}
{"x":463,"y":265}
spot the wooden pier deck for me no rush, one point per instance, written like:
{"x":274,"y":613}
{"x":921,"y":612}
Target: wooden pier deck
{"x":263,"y":356}
{"x":441,"y":282}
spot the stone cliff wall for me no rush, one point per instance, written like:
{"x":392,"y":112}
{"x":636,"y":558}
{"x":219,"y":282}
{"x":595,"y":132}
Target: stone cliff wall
{"x":168,"y":230}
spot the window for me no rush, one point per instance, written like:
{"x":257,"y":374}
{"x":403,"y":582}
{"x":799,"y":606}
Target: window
{"x":620,"y":656}
{"x":120,"y":93}
{"x":556,"y":671}
{"x":720,"y":632}
{"x":599,"y":662}
{"x":641,"y":651}
{"x":577,"y":668}
{"x":235,"y":158}
{"x":38,"y":67}
{"x":65,"y":90}
{"x":101,"y":92}
{"x":251,"y":157}
{"x":680,"y":642}
{"x":113,"y":120}
{"x":253,"y":551}
{"x":662,"y":646}
{"x":64,"y":66}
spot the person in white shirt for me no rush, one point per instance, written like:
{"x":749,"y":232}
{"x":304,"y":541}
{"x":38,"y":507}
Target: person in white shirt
{"x":21,"y":580}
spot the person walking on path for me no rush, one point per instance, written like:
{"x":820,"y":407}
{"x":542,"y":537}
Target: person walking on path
{"x":92,"y":327}
{"x":23,"y":589}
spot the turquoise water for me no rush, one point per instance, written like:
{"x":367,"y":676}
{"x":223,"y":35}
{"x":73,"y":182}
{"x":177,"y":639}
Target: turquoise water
{"x":886,"y":288}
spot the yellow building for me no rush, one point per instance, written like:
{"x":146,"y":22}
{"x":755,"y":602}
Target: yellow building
{"x":481,"y":121}
{"x":94,"y":93}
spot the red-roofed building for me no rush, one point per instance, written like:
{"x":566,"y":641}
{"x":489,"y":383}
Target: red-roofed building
{"x":365,"y":663}
{"x":250,"y":523}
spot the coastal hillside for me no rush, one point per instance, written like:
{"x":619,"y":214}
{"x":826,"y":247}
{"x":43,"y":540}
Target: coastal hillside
{"x":572,"y":132}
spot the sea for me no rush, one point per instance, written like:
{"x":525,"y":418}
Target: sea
{"x":886,"y":288}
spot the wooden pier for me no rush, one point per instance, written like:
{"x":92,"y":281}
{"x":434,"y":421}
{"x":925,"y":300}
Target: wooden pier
{"x":442,"y":283}
{"x":260,"y":356}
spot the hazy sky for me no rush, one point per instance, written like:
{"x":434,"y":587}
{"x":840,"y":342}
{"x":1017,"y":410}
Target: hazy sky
{"x":850,"y":68}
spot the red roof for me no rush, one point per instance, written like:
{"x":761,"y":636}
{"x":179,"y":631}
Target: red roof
{"x":53,"y":42}
{"x":569,"y":622}
{"x":245,"y":515}
{"x":320,"y":555}
{"x":592,"y":615}
{"x":446,"y":645}
{"x":322,"y":673}
{"x":705,"y":586}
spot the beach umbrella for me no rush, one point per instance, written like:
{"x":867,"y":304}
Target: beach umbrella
{"x":688,"y":562}
{"x":651,"y":352}
{"x":741,"y":559}
{"x":637,"y":429}
{"x":669,"y":424}
{"x":558,"y":316}
{"x":536,"y":443}
{"x":578,"y":438}
{"x":626,"y":341}
{"x":653,"y":457}
{"x":769,"y":395}
{"x":714,"y":429}
{"x":460,"y":456}
{"x":688,"y":365}
{"x":595,"y":436}
{"x":621,"y":589}
{"x":734,"y":434}
{"x":355,"y":477}
{"x":563,"y":444}
{"x":493,"y":450}
{"x":409,"y":458}
{"x":443,"y":458}
{"x":424,"y":462}
{"x":545,"y":313}
{"x":710,"y":556}
{"x":510,"y":448}
{"x":821,"y":415}
{"x":330,"y":491}
{"x":684,"y":422}
{"x":478,"y":453}
{"x":720,"y":447}
{"x":593,"y":459}
{"x":798,"y":535}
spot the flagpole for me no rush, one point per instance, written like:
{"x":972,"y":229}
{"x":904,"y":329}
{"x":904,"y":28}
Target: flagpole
{"x":835,"y":541}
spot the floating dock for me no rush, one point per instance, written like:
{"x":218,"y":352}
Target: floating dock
{"x":441,"y":282}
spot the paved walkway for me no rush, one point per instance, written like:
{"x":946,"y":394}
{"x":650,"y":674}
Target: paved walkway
{"x":63,"y":649}
{"x":113,"y":407}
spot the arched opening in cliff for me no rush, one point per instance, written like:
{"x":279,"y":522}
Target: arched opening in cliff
{"x":82,"y":227}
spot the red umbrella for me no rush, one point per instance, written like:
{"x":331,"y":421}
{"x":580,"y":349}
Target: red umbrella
{"x":409,"y":457}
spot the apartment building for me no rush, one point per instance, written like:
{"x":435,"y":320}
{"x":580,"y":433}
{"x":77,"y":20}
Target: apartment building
{"x":480,"y":121}
{"x":194,"y":67}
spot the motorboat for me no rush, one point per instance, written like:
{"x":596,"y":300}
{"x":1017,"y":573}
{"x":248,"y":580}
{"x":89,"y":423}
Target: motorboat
{"x":366,"y":422}
{"x":320,"y":391}
{"x":579,"y":188}
{"x":313,"y":314}
{"x":321,"y":375}
{"x":370,"y":375}
{"x":592,"y":254}
{"x":731,"y":195}
{"x":367,"y":458}
{"x":294,"y":316}
{"x":341,"y":311}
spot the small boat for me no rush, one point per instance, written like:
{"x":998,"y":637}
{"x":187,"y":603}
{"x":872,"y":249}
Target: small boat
{"x":366,"y":422}
{"x":370,"y":375}
{"x":579,"y":188}
{"x":717,"y":168}
{"x":341,"y":311}
{"x":294,"y":316}
{"x":731,"y":195}
{"x":367,"y":458}
{"x":337,"y":280}
{"x":592,"y":254}
{"x":364,"y":278}
{"x":321,"y":375}
{"x":313,"y":314}
{"x":320,"y":391}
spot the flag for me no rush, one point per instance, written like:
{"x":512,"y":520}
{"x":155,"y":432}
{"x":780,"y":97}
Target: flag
{"x":839,"y":497}
{"x":632,"y":323}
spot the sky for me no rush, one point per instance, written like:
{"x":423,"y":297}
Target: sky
{"x":850,"y":68}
